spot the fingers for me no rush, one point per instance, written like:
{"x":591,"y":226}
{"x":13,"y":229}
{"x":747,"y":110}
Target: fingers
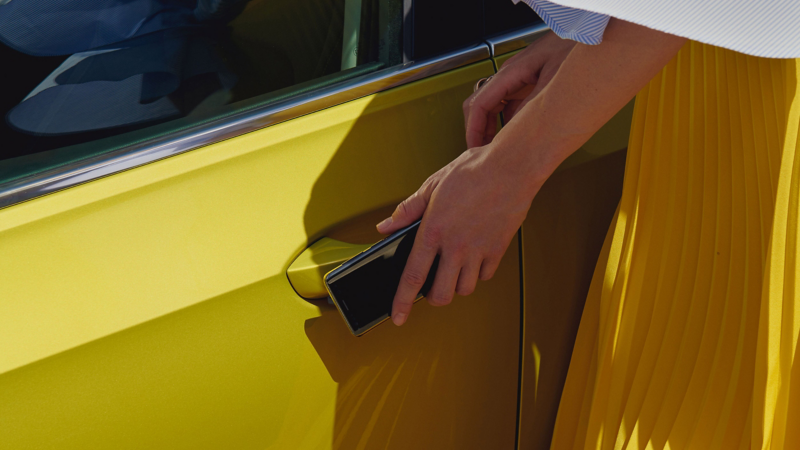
{"x":444,"y":285}
{"x":409,"y":210}
{"x":489,"y":267}
{"x":481,"y":111}
{"x":468,"y":278}
{"x":466,"y":107}
{"x":514,"y":81}
{"x":491,"y":130}
{"x":413,"y":277}
{"x":485,"y":104}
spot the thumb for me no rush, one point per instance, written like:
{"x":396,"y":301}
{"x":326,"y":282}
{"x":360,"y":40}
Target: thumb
{"x":407,"y":212}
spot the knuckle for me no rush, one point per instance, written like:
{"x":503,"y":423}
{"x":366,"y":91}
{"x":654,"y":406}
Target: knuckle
{"x":440,"y":299}
{"x":458,"y":251}
{"x":430,"y":183}
{"x":402,"y":208}
{"x":496,"y":252}
{"x":472,"y":101}
{"x":431,"y":236}
{"x":486,"y":275}
{"x":414,"y":278}
{"x":465,"y":290}
{"x":467,"y":103}
{"x":426,"y":190}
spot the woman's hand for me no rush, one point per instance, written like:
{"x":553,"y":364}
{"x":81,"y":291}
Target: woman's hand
{"x":473,"y":206}
{"x":472,"y":209}
{"x":521,"y":78}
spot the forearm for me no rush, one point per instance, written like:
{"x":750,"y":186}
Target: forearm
{"x":592,"y":85}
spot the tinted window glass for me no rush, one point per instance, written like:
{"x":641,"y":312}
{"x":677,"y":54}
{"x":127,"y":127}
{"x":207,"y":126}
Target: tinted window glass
{"x":503,"y":15}
{"x":445,"y":25}
{"x":115,"y":72}
{"x":441,"y":26}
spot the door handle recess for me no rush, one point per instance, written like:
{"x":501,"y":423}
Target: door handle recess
{"x":307,"y":271}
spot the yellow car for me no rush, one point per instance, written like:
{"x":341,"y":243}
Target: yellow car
{"x":164,"y":200}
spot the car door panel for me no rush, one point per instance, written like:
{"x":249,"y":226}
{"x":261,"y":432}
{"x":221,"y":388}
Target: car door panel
{"x":561,"y":241}
{"x":151,"y":308}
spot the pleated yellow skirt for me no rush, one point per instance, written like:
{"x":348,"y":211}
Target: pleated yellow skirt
{"x":689,"y":336}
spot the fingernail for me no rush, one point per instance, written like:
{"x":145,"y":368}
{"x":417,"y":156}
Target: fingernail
{"x":399,"y":319}
{"x":385,"y":223}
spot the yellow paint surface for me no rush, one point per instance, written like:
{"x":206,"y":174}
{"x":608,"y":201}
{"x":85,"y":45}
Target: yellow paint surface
{"x":151,"y":309}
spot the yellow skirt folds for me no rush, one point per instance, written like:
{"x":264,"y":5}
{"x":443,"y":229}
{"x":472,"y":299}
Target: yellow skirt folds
{"x":689,"y":336}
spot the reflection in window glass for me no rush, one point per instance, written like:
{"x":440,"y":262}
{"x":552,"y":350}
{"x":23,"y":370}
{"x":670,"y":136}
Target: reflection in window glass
{"x":115,"y":72}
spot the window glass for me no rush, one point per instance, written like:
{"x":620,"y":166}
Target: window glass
{"x":503,"y":15}
{"x":110,"y":73}
{"x":441,"y":26}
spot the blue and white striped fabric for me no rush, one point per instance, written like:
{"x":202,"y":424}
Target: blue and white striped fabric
{"x":571,"y":23}
{"x":768,"y":28}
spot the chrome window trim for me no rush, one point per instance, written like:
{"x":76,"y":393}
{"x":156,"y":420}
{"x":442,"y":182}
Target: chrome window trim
{"x":138,"y":155}
{"x":515,"y":40}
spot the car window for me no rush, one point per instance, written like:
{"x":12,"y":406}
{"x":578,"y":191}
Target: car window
{"x":441,"y":26}
{"x":501,"y":16}
{"x":112,"y":73}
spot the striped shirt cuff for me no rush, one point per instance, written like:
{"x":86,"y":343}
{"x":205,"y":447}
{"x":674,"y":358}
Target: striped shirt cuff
{"x":570,"y":23}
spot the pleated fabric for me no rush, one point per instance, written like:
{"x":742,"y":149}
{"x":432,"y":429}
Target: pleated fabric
{"x":689,"y":336}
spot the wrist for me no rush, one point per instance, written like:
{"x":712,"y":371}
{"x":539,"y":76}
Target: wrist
{"x":530,"y":158}
{"x":522,"y":166}
{"x":537,"y":142}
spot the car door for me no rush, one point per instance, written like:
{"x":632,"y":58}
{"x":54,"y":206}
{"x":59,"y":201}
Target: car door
{"x":561,"y":241}
{"x":147,"y":228}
